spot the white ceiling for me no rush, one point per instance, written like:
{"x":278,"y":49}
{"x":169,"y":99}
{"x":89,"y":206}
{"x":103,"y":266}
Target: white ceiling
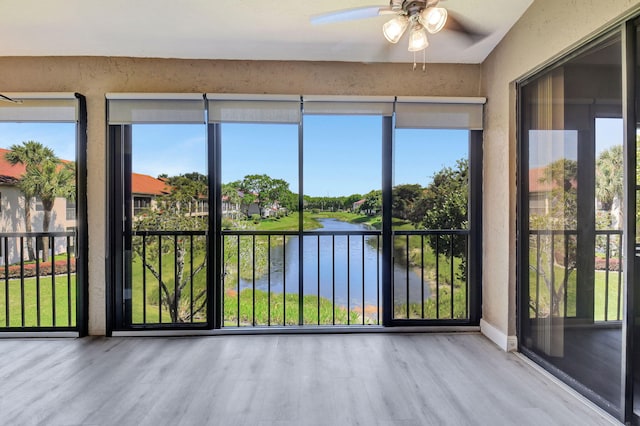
{"x":236,"y":29}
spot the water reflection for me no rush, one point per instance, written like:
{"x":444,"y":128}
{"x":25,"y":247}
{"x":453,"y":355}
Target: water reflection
{"x":346,"y":269}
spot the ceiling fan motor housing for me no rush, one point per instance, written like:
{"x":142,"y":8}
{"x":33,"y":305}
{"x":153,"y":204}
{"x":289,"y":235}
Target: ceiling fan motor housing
{"x":396,"y":5}
{"x":413,"y":7}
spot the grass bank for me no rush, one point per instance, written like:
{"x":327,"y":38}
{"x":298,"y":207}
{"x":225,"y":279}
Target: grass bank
{"x":284,"y":309}
{"x":48,"y":293}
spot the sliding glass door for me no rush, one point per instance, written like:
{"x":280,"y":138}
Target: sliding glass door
{"x":431,"y":224}
{"x":167,"y":224}
{"x":571,"y":221}
{"x":159,"y":212}
{"x":343,"y":203}
{"x":43,"y":213}
{"x":258,"y":197}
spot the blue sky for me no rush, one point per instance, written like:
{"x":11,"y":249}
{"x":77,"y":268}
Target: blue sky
{"x":61,"y":137}
{"x":169,"y":148}
{"x":342,"y":154}
{"x":547,"y":146}
{"x":609,"y":132}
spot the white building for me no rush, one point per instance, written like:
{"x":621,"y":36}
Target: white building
{"x":12,"y":214}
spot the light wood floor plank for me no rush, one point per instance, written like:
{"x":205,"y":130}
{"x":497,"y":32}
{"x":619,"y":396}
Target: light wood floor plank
{"x":353,"y":379}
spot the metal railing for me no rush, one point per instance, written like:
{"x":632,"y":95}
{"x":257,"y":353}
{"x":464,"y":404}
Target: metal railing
{"x":336,"y":279}
{"x":168,"y":278}
{"x":269,"y":281}
{"x":37,"y":272}
{"x":553,"y":267}
{"x":433,"y":282}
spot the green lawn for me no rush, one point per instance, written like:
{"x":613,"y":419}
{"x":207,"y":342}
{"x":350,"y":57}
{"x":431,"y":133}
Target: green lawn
{"x":612,"y":300}
{"x":602,"y":298}
{"x":375,"y":222}
{"x":145,"y":292}
{"x":284,"y":223}
{"x":272,"y":310}
{"x":29,"y":293}
{"x":437,"y":308}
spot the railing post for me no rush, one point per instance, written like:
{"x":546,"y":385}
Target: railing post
{"x":387,"y":231}
{"x":6,"y":280}
{"x":474,"y":252}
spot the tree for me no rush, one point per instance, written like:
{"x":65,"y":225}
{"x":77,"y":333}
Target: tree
{"x":281,"y":195}
{"x":610,"y":179}
{"x":417,"y":210}
{"x":447,"y":198}
{"x":372,"y":203}
{"x":562,"y":175}
{"x":51,"y":180}
{"x":231,"y":193}
{"x":403,"y":198}
{"x":45,"y":177}
{"x":558,"y":248}
{"x":256,"y":190}
{"x":347,"y":204}
{"x":264,"y":191}
{"x":187,"y":190}
{"x":184,"y":249}
{"x":289,"y":200}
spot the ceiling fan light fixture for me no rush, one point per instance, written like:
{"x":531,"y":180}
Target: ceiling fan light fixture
{"x":395,"y":28}
{"x":417,"y":38}
{"x":433,"y":18}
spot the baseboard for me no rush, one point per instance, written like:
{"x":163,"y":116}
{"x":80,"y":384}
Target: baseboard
{"x":227,"y":331}
{"x":505,"y":342}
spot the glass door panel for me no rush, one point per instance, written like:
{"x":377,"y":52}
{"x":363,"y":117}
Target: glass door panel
{"x":260,"y":224}
{"x":167,"y":221}
{"x":571,"y":221}
{"x":431,"y":224}
{"x":635,"y":278}
{"x":342,"y":219}
{"x":38,"y":225}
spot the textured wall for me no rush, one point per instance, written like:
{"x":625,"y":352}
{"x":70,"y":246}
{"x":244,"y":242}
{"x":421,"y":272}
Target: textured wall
{"x":95,"y":76}
{"x":548,"y":28}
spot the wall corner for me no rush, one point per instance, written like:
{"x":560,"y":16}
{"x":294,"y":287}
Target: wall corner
{"x":502,"y":340}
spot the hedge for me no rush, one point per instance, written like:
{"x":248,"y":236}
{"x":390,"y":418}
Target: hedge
{"x":601,"y":264}
{"x":45,"y":269}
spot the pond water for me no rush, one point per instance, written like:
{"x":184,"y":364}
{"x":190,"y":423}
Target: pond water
{"x":332,"y":273}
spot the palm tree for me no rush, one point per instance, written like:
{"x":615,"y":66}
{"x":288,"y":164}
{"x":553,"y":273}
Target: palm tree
{"x":45,"y":177}
{"x":28,"y":153}
{"x":230,"y":191}
{"x":609,"y":180}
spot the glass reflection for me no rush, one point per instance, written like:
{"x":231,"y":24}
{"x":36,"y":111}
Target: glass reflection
{"x":572,"y":281}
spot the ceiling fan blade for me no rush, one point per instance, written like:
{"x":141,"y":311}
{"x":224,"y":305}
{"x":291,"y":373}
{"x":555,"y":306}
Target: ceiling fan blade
{"x":455,"y":23}
{"x":350,"y":14}
{"x":8,"y":99}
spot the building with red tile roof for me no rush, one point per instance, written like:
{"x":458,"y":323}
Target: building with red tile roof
{"x":540,"y":191}
{"x":9,"y":174}
{"x":148,"y":185}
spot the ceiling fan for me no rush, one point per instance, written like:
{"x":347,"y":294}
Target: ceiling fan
{"x":418,"y":16}
{"x":8,"y":99}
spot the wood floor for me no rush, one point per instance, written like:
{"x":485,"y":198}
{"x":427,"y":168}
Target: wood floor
{"x":368,"y":379}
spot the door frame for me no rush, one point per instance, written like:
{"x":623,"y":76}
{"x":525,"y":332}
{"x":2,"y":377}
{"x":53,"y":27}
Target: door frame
{"x":119,"y":251}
